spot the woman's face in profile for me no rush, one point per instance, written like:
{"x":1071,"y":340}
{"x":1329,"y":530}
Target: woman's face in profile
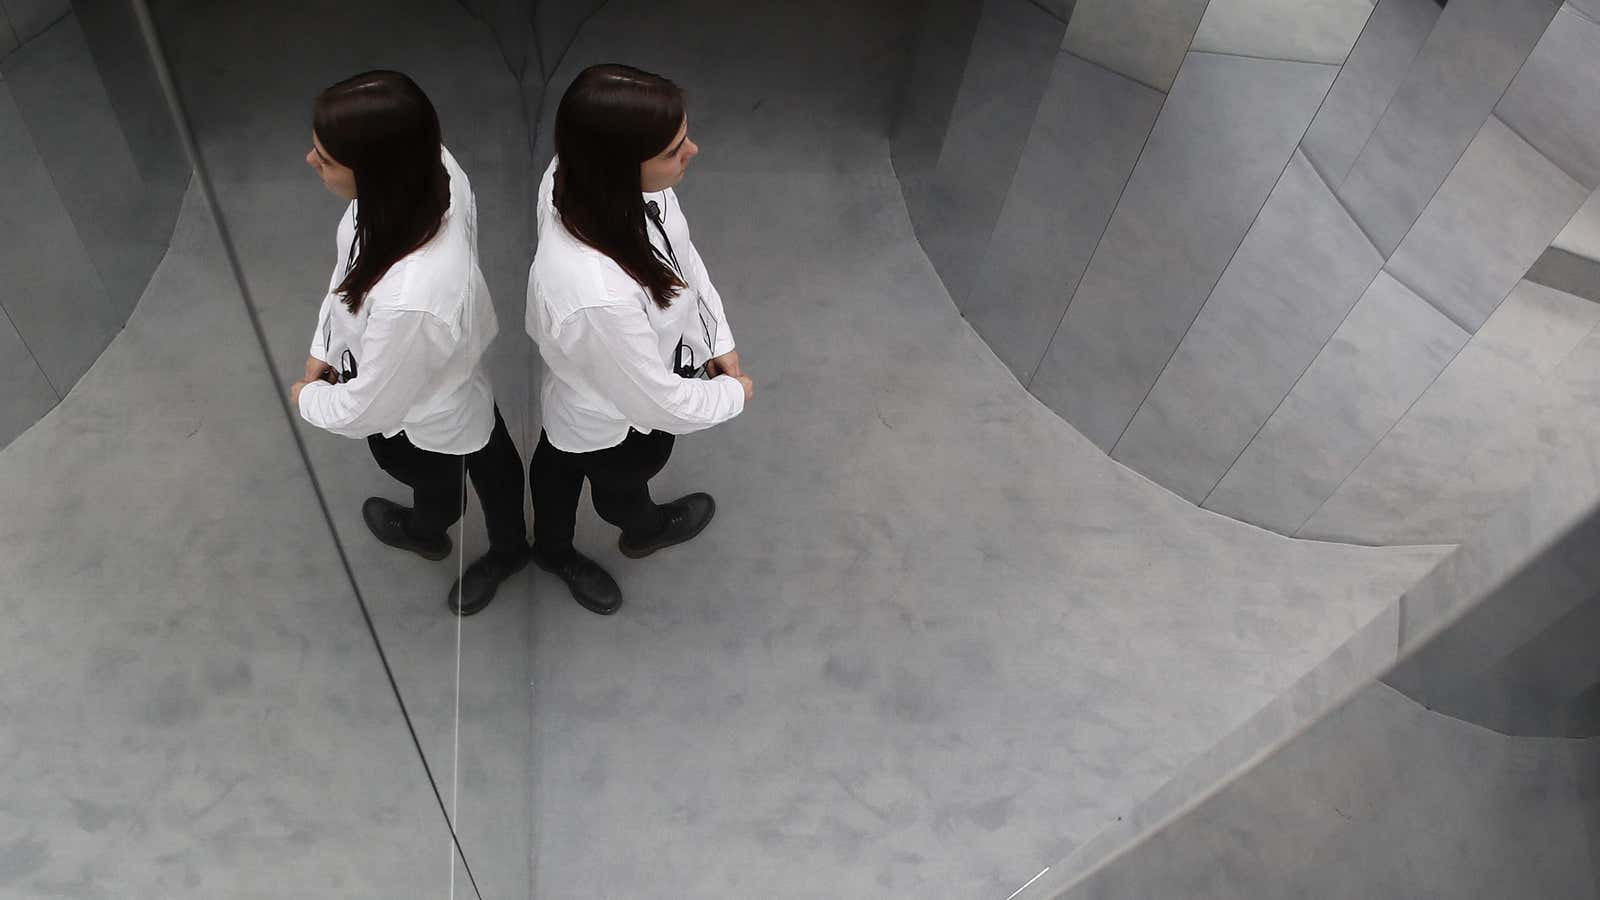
{"x":339,"y":180}
{"x":666,"y":168}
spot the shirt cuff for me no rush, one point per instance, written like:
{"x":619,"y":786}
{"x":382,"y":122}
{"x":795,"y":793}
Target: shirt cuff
{"x":307,"y":392}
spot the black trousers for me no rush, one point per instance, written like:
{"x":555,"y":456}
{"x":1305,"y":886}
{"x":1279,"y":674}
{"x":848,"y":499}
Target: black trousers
{"x":435,"y":480}
{"x":619,"y":484}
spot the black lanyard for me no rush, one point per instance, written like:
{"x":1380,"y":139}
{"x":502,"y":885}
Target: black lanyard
{"x":653,"y":211}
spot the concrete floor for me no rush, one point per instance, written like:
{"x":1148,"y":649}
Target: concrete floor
{"x":934,"y":641}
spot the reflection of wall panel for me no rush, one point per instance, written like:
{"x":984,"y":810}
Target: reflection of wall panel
{"x":52,"y":294}
{"x":1301,"y":268}
{"x":30,"y":18}
{"x":1582,"y":235}
{"x":135,"y":94}
{"x":1091,"y":125}
{"x":1220,"y":144}
{"x":25,"y":394}
{"x":1006,"y":73}
{"x":1367,"y":83}
{"x":1308,"y":30}
{"x":1390,"y":348}
{"x":1464,"y":66}
{"x":938,"y":62}
{"x":1142,"y":39}
{"x":555,"y":24}
{"x":8,"y":38}
{"x":123,"y":223}
{"x":1553,"y":103}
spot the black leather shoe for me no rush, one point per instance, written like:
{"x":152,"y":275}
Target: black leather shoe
{"x":592,"y":586}
{"x":686,"y":517}
{"x":387,"y":519}
{"x":481,"y":579}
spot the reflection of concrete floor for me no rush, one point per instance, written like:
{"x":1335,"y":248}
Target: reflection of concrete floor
{"x":190,"y":703}
{"x":935,"y":639}
{"x":248,"y":72}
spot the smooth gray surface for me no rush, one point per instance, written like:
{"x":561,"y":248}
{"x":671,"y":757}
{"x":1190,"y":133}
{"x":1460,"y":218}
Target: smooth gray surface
{"x":129,"y":79}
{"x":1554,"y":102}
{"x":1469,"y":58}
{"x":1539,"y":689}
{"x":1361,"y":659}
{"x":1143,"y":39}
{"x":1373,"y":73}
{"x":1007,"y":71}
{"x":1381,"y":359}
{"x":192,"y":705}
{"x":28,"y":394}
{"x":1591,"y":8}
{"x":8,"y":38}
{"x":30,"y":18}
{"x":1307,"y":31}
{"x":1560,"y":493}
{"x":1480,"y":396}
{"x":53,"y":294}
{"x":1502,"y":464}
{"x":1091,"y":126}
{"x":123,"y":222}
{"x":555,"y":25}
{"x":1382,"y":799}
{"x":1568,"y":272}
{"x":1469,"y":669}
{"x":1582,"y":234}
{"x":249,"y":111}
{"x":1301,"y":267}
{"x":1061,"y":9}
{"x":941,"y":43}
{"x":1220,"y":144}
{"x":511,"y":23}
{"x":1499,"y":209}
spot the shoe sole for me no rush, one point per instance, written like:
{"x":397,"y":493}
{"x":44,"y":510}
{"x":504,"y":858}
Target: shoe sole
{"x":648,"y":549}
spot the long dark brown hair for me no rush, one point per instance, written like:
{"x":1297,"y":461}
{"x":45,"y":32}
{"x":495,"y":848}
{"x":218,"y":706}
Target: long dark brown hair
{"x":611,"y":119}
{"x":381,"y":126}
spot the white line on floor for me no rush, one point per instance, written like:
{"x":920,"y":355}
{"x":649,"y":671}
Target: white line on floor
{"x":1029,"y":884}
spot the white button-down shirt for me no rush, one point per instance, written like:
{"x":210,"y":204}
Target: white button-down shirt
{"x":608,"y":348}
{"x":418,"y":340}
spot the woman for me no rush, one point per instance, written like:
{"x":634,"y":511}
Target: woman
{"x":633,"y":336}
{"x":397,"y":353}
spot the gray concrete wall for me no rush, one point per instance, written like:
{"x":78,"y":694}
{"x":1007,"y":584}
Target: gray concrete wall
{"x":1274,"y":256}
{"x":92,"y":179}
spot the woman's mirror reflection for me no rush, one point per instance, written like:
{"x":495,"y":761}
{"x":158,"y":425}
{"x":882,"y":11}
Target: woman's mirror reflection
{"x":408,"y":304}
